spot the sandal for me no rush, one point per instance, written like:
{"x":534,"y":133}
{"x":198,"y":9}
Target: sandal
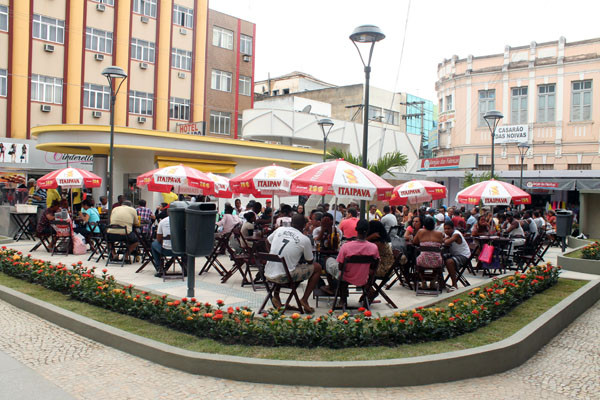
{"x":451,"y":289}
{"x":307,"y":309}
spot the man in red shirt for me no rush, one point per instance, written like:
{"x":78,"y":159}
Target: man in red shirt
{"x":458,"y":221}
{"x":348,"y":225}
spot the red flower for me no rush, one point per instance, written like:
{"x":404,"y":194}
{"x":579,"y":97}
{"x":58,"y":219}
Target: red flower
{"x":361,"y":309}
{"x":475,"y":312}
{"x":220,"y":302}
{"x":147,"y":297}
{"x":451,"y":318}
{"x":176,"y":302}
{"x":193,"y":300}
{"x":345,"y":322}
{"x":217,"y":317}
{"x":368,"y":313}
{"x":104,"y":270}
{"x":496,"y":303}
{"x":230,"y":310}
{"x":402,"y":321}
{"x":184,"y":299}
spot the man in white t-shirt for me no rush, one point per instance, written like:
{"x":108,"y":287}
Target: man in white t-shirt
{"x":296,"y":248}
{"x":161,"y":247}
{"x":388,"y":220}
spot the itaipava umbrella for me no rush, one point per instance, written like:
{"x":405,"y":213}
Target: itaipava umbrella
{"x":222,"y":189}
{"x":341,"y":179}
{"x":181,"y":178}
{"x":493,"y":193}
{"x":69,"y":178}
{"x":416,"y":191}
{"x":262,"y":182}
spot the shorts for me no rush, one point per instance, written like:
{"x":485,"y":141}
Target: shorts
{"x":460,"y":260}
{"x":130,"y":238}
{"x":301,"y":273}
{"x":333,"y":267}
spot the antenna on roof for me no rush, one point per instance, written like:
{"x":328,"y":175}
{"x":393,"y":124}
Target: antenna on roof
{"x":307,"y":109}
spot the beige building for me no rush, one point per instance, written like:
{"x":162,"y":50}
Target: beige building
{"x":549,"y":95}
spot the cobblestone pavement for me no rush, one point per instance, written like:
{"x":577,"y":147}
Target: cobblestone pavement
{"x":567,"y":368}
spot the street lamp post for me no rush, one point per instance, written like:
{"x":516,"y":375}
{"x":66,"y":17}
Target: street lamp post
{"x":366,"y":34}
{"x":522,"y":147}
{"x":112,"y":73}
{"x":492,"y":118}
{"x":326,"y":124}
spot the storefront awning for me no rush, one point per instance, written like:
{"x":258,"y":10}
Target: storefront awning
{"x":214,"y":166}
{"x":549,"y":184}
{"x":588,"y":184}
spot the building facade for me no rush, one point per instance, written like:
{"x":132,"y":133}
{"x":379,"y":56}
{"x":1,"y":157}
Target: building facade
{"x":549,"y":95}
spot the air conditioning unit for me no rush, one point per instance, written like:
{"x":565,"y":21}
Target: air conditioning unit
{"x":141,"y":120}
{"x":46,"y":107}
{"x":144,"y":19}
{"x":49,"y":48}
{"x":96,"y":114}
{"x":183,"y":31}
{"x":100,"y":7}
{"x":143,"y":65}
{"x":181,"y":75}
{"x":99,"y":57}
{"x":246,"y":58}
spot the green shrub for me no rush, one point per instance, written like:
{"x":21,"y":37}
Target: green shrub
{"x":591,"y":251}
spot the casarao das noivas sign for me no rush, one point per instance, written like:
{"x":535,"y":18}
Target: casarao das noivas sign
{"x":512,"y":134}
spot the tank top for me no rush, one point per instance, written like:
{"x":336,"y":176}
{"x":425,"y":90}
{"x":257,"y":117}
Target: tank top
{"x":462,"y":248}
{"x":517,"y":231}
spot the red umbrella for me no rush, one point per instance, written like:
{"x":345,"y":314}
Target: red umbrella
{"x":181,"y":178}
{"x":69,"y":178}
{"x":341,"y":179}
{"x":415,"y":191}
{"x":262,"y":182}
{"x":494,"y":193}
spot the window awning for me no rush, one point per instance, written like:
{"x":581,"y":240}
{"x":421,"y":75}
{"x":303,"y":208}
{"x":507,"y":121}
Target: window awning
{"x":548,"y":184}
{"x":214,"y":166}
{"x":588,"y":184}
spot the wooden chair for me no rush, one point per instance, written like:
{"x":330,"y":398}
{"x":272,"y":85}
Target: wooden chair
{"x":221,"y":246}
{"x":173,"y":261}
{"x":343,"y":289}
{"x":96,"y":239}
{"x":429,"y":275}
{"x":62,"y":237}
{"x":145,"y":248}
{"x":244,"y":261}
{"x":377,"y":284}
{"x":271,"y":287}
{"x":43,"y":240}
{"x":119,"y":246}
{"x":532,"y":254}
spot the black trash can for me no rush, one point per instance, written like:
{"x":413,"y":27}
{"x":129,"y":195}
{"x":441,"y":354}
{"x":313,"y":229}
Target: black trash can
{"x":564,"y":223}
{"x":200,"y":226}
{"x":176,"y":213}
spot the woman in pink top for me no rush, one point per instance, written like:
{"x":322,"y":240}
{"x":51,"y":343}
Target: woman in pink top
{"x":229,"y":220}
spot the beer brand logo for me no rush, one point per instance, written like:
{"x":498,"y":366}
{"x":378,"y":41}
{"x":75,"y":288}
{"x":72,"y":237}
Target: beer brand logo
{"x":171,"y":170}
{"x":268,"y":184}
{"x":410,"y":185}
{"x":173,"y":180}
{"x":271,"y":173}
{"x":494,"y":190}
{"x":495,"y":200}
{"x":354,"y":192}
{"x":350,"y":177}
{"x":408,"y":192}
{"x":68,"y":181}
{"x":315,"y":188}
{"x":69,"y":173}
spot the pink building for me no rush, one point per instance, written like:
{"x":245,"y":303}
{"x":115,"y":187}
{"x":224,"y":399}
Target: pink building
{"x":549,"y":94}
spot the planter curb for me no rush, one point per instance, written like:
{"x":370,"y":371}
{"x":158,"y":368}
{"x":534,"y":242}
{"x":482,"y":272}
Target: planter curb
{"x":578,"y":264}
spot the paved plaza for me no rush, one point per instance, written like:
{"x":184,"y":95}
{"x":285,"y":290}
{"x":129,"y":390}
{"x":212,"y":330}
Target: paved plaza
{"x":43,"y":361}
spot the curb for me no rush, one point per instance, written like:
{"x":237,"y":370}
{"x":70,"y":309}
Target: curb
{"x":463,"y":364}
{"x":578,"y":264}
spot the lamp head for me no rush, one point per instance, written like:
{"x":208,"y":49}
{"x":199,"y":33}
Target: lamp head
{"x":114,"y":72}
{"x":493,"y":116}
{"x":367,"y":34}
{"x":325,"y":123}
{"x":523,"y":147}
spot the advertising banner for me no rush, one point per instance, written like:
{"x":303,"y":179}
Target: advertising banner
{"x":466,"y":161}
{"x":14,"y":153}
{"x":512,"y":134}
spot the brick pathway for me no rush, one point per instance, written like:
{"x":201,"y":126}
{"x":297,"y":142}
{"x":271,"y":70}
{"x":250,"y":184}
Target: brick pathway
{"x":567,"y":368}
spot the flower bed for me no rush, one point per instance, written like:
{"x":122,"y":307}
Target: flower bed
{"x":591,"y":251}
{"x":241,"y":326}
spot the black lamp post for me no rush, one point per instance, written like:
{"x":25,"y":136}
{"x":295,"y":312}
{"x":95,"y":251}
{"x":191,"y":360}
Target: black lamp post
{"x":112,"y":74}
{"x":522,"y":147}
{"x":366,"y":34}
{"x":492,"y":118}
{"x":326,"y":124}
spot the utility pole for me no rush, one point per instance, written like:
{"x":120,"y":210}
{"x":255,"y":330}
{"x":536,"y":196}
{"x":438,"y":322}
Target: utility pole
{"x":420,"y":115}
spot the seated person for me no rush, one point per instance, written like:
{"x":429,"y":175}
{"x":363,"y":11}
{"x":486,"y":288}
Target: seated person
{"x":458,"y":221}
{"x":313,"y":223}
{"x":285,"y":216}
{"x":327,"y":236}
{"x":291,"y":244}
{"x":413,"y":228}
{"x":429,"y":237}
{"x":266,"y":217}
{"x":514,"y":231}
{"x":161,"y":247}
{"x":355,"y":274}
{"x":43,"y":227}
{"x":87,"y":215}
{"x":248,"y":225}
{"x":459,"y":252}
{"x":348,"y":224}
{"x":146,"y":215}
{"x":482,"y":227}
{"x":229,"y":220}
{"x":162,"y":211}
{"x":377,"y":234}
{"x":124,"y":215}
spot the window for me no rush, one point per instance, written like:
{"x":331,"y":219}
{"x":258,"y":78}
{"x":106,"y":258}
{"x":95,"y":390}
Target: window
{"x":285,"y":91}
{"x":145,"y":7}
{"x":543,"y":167}
{"x":107,"y":2}
{"x":246,"y":44}
{"x":46,"y":89}
{"x":546,"y":102}
{"x":96,"y":96}
{"x":179,"y":109}
{"x":50,"y":29}
{"x":142,"y":50}
{"x":449,"y":104}
{"x":98,"y":40}
{"x":140,"y":103}
{"x":181,"y":59}
{"x":487,"y":102}
{"x":245,"y":83}
{"x":375,"y":113}
{"x":222,"y":38}
{"x":3,"y":18}
{"x":3,"y":82}
{"x":183,"y":16}
{"x":220,"y":122}
{"x":518,"y":105}
{"x":239,"y":126}
{"x":579,"y":166}
{"x":581,"y":100}
{"x":441,"y":105}
{"x":221,"y":80}
{"x":484,"y":167}
{"x":391,"y":117}
{"x":517,"y":167}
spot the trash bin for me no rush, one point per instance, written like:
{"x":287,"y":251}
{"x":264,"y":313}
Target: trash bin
{"x":564,"y":223}
{"x":176,"y":213}
{"x":200,"y":225}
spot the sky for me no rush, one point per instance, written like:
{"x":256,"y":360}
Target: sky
{"x":313,"y":36}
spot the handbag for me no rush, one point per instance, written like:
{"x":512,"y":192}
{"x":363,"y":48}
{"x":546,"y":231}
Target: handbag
{"x":486,"y":253}
{"x":78,"y":244}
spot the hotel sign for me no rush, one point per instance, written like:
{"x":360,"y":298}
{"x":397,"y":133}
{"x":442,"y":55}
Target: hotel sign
{"x":512,"y":134}
{"x":193,"y":128}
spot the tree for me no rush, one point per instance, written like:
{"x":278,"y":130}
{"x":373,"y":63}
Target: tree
{"x":391,"y":160}
{"x":471,"y":179}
